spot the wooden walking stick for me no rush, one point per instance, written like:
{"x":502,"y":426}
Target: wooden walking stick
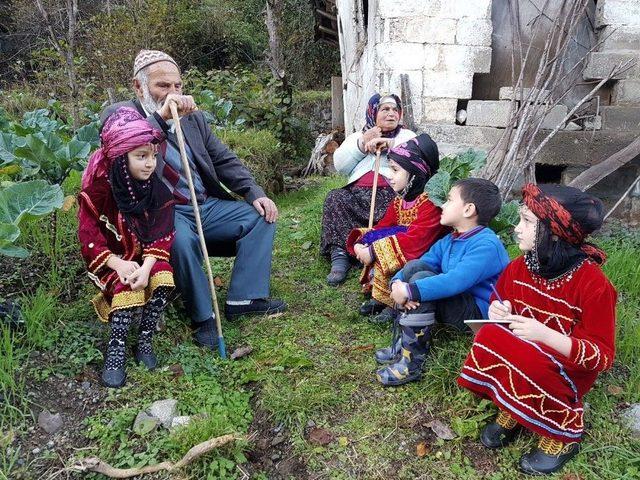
{"x":196,"y":212}
{"x":376,"y":172}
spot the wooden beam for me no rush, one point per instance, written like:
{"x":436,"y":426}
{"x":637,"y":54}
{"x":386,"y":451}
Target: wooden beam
{"x":331,"y":17}
{"x":327,"y":31}
{"x":337,"y":103}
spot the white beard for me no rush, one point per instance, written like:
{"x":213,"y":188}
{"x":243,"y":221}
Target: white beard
{"x":150,"y":104}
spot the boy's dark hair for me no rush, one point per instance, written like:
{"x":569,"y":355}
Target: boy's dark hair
{"x":483,"y":194}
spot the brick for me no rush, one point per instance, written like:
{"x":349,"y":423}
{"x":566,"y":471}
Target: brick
{"x":424,"y":29}
{"x":617,"y":12}
{"x":488,"y":113}
{"x":447,"y":84}
{"x":555,"y":117}
{"x":464,"y":8}
{"x":600,"y":64}
{"x":399,"y":8}
{"x":620,"y":118}
{"x":465,"y":59}
{"x":507,"y":93}
{"x":400,"y":56}
{"x":473,"y":31}
{"x":619,"y":37}
{"x":625,"y":92}
{"x":439,"y":110}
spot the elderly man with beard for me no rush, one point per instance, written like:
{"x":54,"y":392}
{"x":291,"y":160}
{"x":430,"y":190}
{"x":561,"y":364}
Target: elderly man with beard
{"x":248,"y":226}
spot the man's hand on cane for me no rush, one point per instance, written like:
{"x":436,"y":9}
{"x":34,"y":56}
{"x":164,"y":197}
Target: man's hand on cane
{"x":185,"y":103}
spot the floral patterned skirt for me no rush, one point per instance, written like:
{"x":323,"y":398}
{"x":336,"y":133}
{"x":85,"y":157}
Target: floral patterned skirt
{"x":348,"y":208}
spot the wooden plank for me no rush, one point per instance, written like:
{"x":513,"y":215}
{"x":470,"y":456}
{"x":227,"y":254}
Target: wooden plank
{"x":337,"y":104}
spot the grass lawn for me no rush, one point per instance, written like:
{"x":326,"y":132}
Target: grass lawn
{"x":305,"y":398}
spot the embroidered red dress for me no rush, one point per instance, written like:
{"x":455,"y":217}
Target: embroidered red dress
{"x":422,"y":219}
{"x":541,"y":388}
{"x":102,"y":232}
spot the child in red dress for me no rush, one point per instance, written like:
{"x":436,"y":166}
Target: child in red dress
{"x":408,"y":228}
{"x":561,"y":332}
{"x":125,"y":232}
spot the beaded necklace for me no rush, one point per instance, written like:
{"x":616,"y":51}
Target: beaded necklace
{"x":551,"y":283}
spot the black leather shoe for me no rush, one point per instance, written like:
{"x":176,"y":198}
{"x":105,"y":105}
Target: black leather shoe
{"x":205,"y":334}
{"x":260,"y":306}
{"x":537,"y":462}
{"x":114,"y":378}
{"x":371,"y":307}
{"x":496,"y":436}
{"x":149,"y":360}
{"x":385,"y":316}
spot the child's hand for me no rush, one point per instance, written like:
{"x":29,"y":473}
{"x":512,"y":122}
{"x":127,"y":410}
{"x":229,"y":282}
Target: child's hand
{"x":124,"y":268}
{"x":499,"y":310}
{"x":363,"y":254}
{"x":411,"y":305}
{"x":528,"y":328}
{"x":399,"y":293}
{"x":139,"y":279}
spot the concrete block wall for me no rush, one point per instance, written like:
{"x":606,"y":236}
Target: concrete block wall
{"x":618,"y":29}
{"x":440,"y":45}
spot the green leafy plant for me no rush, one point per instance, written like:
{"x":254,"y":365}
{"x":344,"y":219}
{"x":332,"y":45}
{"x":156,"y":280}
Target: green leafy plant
{"x":41,"y":146}
{"x":452,"y":169}
{"x":217,"y":111}
{"x":463,"y":165}
{"x":23,"y":200}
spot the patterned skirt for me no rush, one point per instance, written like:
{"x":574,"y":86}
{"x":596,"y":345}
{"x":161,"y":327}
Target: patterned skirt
{"x":541,"y":391}
{"x":117,"y":296}
{"x":348,"y":208}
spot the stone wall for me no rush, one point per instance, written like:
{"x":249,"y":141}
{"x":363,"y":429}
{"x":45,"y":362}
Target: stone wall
{"x":439,"y":44}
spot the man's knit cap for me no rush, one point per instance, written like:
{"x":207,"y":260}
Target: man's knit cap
{"x":149,"y":57}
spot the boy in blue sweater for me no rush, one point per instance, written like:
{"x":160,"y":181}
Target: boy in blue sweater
{"x":448,"y":284}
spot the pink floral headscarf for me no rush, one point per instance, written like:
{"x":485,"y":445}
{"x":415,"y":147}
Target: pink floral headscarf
{"x":123,"y":131}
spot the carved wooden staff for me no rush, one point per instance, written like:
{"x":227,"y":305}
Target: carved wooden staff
{"x":196,"y":212}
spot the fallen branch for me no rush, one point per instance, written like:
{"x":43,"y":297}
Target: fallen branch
{"x":94,"y":464}
{"x":594,"y":174}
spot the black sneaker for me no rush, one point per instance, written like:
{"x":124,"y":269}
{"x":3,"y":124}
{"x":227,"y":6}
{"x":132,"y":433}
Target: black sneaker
{"x":260,"y":306}
{"x":538,"y":462}
{"x":205,"y":334}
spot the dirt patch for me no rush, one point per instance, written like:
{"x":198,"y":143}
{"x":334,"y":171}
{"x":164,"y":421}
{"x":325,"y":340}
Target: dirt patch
{"x":74,"y":399}
{"x":271,"y":451}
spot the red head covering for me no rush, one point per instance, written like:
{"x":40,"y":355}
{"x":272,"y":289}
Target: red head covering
{"x":124,"y":130}
{"x":570,"y":214}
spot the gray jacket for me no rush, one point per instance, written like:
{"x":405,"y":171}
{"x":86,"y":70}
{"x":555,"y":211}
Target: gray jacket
{"x":217,"y":165}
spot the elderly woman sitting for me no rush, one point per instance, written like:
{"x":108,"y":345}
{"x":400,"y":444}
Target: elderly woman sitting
{"x":348,"y":207}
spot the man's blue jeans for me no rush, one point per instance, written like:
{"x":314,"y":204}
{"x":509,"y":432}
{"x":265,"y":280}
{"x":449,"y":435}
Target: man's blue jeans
{"x":222,"y":221}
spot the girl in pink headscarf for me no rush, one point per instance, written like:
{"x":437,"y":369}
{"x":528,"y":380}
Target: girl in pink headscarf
{"x":125,"y":232}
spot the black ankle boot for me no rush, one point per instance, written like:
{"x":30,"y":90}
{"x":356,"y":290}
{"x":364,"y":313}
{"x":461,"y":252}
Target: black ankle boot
{"x":340,"y":266}
{"x":147,"y":358}
{"x":501,"y":432}
{"x":114,"y":374}
{"x":548,"y":457}
{"x":371,"y":307}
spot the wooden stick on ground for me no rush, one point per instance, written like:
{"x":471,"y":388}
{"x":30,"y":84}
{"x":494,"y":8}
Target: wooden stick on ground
{"x":94,"y":464}
{"x":196,"y":211}
{"x":376,"y":172}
